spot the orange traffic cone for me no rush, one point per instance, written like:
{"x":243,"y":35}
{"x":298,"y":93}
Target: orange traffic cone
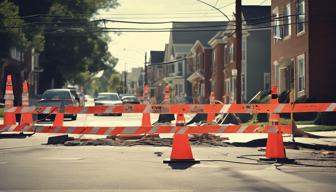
{"x":181,"y":150}
{"x":180,"y":121}
{"x":9,"y":117}
{"x":26,"y":118}
{"x":210,"y":117}
{"x":275,"y":148}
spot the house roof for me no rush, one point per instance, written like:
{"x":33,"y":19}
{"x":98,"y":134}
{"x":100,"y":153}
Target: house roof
{"x":256,"y":15}
{"x":203,"y":31}
{"x":156,"y":57}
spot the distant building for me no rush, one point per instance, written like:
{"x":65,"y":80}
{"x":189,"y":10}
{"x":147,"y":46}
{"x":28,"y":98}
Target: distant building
{"x":177,"y":53}
{"x":255,"y":73}
{"x":303,"y":55}
{"x":155,"y":74}
{"x":134,"y":81}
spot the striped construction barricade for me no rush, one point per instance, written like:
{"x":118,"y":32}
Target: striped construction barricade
{"x":181,"y":150}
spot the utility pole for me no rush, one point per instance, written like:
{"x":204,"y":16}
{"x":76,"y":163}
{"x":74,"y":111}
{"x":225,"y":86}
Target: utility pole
{"x":146,"y":82}
{"x":238,"y":50}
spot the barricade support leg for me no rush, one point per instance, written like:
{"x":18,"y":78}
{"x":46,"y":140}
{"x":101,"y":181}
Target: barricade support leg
{"x":58,"y":122}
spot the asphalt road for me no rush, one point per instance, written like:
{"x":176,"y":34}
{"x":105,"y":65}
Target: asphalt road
{"x":30,"y":165}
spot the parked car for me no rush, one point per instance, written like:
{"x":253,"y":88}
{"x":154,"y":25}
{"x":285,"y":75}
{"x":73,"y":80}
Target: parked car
{"x":108,"y":99}
{"x":78,"y":97}
{"x":81,"y":98}
{"x":57,"y":97}
{"x":130,"y":100}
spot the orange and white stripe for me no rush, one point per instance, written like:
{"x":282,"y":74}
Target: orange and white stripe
{"x":144,"y":130}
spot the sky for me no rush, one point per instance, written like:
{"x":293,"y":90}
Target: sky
{"x":130,"y":47}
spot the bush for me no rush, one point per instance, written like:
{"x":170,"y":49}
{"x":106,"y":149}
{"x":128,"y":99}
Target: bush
{"x":244,"y":117}
{"x":284,"y":97}
{"x":328,"y":118}
{"x":1,"y":111}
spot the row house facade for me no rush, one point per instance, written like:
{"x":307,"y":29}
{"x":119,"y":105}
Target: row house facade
{"x":134,"y":81}
{"x":303,"y":58}
{"x":255,"y":73}
{"x":178,"y":55}
{"x":201,"y":72}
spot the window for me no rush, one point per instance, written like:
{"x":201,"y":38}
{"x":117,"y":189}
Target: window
{"x":227,"y":86}
{"x":300,"y":17}
{"x":277,"y":34}
{"x":244,"y":49}
{"x":243,"y":86}
{"x":180,"y":68}
{"x":226,"y":54}
{"x":213,"y":60}
{"x":301,"y":72}
{"x":287,"y":21}
{"x":233,"y":88}
{"x":231,"y":53}
{"x":267,"y":81}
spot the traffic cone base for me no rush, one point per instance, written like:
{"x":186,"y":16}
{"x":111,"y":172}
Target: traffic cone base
{"x":181,"y":150}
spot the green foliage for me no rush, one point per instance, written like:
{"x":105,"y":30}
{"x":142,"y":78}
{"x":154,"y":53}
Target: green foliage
{"x":327,"y":118}
{"x":110,"y":81}
{"x":1,"y":110}
{"x":319,"y":128}
{"x":10,"y":25}
{"x":71,"y":46}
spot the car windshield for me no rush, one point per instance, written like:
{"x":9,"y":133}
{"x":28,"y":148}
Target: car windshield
{"x":131,"y":98}
{"x":56,"y":94}
{"x":74,"y":93}
{"x":107,"y":97}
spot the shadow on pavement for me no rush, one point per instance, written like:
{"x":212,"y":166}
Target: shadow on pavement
{"x":262,"y":143}
{"x":15,"y":136}
{"x":181,"y":165}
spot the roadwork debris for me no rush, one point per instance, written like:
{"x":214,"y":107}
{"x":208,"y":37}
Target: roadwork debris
{"x":154,"y":140}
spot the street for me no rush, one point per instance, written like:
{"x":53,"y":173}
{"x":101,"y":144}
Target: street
{"x":30,"y":165}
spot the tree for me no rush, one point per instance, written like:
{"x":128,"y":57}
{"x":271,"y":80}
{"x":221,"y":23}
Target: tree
{"x":77,"y":45}
{"x":11,"y":33}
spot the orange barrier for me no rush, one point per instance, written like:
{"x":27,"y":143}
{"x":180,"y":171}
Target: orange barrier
{"x":156,"y":129}
{"x":185,"y":108}
{"x":59,"y":117}
{"x":181,"y":150}
{"x":9,"y":117}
